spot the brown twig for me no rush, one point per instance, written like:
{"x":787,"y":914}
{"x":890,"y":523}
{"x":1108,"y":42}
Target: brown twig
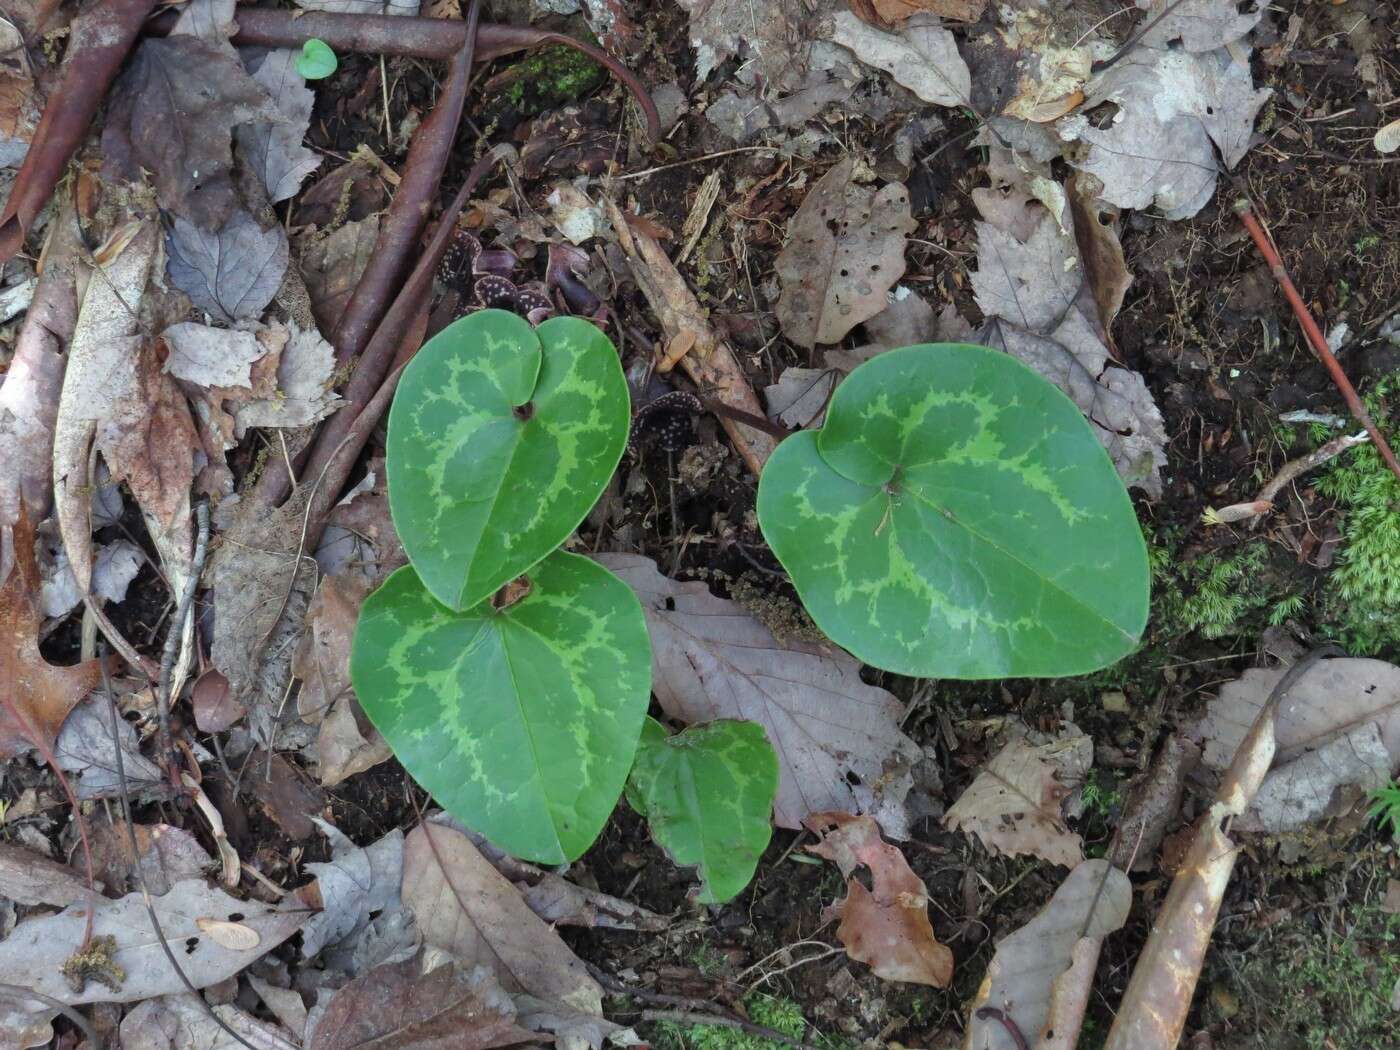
{"x":99,"y":41}
{"x":183,"y":609}
{"x":1297,"y":467}
{"x":1314,"y":334}
{"x":1007,"y":1022}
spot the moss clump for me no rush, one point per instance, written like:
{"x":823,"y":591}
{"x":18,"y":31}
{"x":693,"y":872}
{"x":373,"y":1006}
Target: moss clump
{"x":1363,"y":596}
{"x":1215,"y":594}
{"x":545,"y":80}
{"x":781,"y":1015}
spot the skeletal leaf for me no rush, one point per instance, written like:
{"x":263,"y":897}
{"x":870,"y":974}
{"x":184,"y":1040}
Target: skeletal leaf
{"x":521,"y":721}
{"x":844,"y":251}
{"x":1092,"y":902}
{"x":1013,"y":805}
{"x":887,"y":927}
{"x":707,"y":794}
{"x":837,"y":738}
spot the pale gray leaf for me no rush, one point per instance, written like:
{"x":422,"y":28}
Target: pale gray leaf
{"x":362,"y":7}
{"x":838,"y":740}
{"x":114,"y":566}
{"x":355,"y":883}
{"x":232,"y":274}
{"x":922,"y":56}
{"x":1200,"y":25}
{"x":207,"y":19}
{"x":1031,"y":284}
{"x":275,"y":150}
{"x":85,"y":747}
{"x":211,"y":357}
{"x":799,"y":397}
{"x":182,"y":1022}
{"x":1320,"y":783}
{"x":304,"y":374}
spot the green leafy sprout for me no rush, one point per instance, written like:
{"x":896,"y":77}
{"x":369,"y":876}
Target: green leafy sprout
{"x":316,"y":61}
{"x":1385,"y":808}
{"x":955,"y":517}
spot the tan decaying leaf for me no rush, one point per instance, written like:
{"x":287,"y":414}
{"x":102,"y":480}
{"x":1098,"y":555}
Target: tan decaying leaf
{"x":332,"y":266}
{"x":1013,"y":805}
{"x":19,"y":111}
{"x":235,"y":936}
{"x":1338,"y":734}
{"x":922,"y":56}
{"x":28,"y":878}
{"x":467,"y":908}
{"x":1387,"y":139}
{"x":397,"y":1006}
{"x":37,"y":696}
{"x":1092,"y":902}
{"x":182,"y":1022}
{"x":165,"y":855}
{"x":1047,"y":61}
{"x":305,"y":372}
{"x":844,"y":251}
{"x":837,"y":738}
{"x":1172,"y":106}
{"x":889,"y":14}
{"x":34,"y":954}
{"x":1043,"y":311}
{"x":888,"y":927}
{"x":1100,"y":251}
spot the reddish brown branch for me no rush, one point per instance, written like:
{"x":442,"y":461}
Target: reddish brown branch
{"x":99,"y":41}
{"x":1315,"y":337}
{"x":431,"y":38}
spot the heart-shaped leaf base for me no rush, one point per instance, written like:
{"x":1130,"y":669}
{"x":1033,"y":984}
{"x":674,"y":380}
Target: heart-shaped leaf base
{"x":956,"y":517}
{"x":707,"y":794}
{"x":501,"y":439}
{"x":521,"y":722}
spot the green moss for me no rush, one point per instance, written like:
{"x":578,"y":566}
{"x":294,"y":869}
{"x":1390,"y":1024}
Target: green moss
{"x":781,"y":1015}
{"x":1363,"y":599}
{"x":1216,"y":594}
{"x":545,"y":80}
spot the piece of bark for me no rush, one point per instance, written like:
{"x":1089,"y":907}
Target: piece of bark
{"x":711,"y":363}
{"x":1153,"y":804}
{"x":98,"y":43}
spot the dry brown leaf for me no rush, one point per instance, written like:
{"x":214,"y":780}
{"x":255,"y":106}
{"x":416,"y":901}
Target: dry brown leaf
{"x":215,"y":709}
{"x":35,"y":696}
{"x":837,"y":738}
{"x":28,"y":878}
{"x":1091,"y":903}
{"x":886,"y":14}
{"x":332,"y":265}
{"x":1014,"y":804}
{"x":844,"y":252}
{"x":19,"y":113}
{"x":887,"y":928}
{"x":167,"y":855}
{"x":449,"y":1008}
{"x":466,"y":907}
{"x":1100,"y":252}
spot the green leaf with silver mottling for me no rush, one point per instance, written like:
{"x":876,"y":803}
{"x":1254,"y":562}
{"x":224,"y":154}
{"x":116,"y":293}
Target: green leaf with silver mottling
{"x":707,"y":793}
{"x":521,"y":722}
{"x":956,"y":517}
{"x":501,"y":439}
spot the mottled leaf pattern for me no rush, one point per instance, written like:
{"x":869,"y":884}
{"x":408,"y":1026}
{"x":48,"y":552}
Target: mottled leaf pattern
{"x":501,"y":438}
{"x":707,"y":794}
{"x":957,"y":518}
{"x":521,"y":722}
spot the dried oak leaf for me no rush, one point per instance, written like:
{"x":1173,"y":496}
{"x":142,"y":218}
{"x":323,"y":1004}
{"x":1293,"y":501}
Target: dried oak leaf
{"x":37,"y":695}
{"x":464,"y":906}
{"x":1024,"y":975}
{"x":837,"y":738}
{"x":844,"y":252}
{"x":887,"y":928}
{"x":172,"y":115}
{"x":449,"y":1008}
{"x":1013,"y":805}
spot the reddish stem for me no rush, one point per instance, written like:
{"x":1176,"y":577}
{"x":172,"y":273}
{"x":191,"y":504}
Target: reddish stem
{"x":1315,"y":337}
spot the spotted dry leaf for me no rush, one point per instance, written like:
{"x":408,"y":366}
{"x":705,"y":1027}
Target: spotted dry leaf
{"x":1014,"y":804}
{"x":844,"y":252}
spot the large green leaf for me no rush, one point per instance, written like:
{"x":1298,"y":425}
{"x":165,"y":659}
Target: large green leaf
{"x":707,"y":793}
{"x":957,"y":518}
{"x":521,"y":722}
{"x":501,"y":438}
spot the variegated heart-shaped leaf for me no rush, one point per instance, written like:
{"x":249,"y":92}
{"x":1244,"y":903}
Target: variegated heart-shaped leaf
{"x":956,"y":517}
{"x":501,"y":438}
{"x":521,"y":721}
{"x":707,"y":794}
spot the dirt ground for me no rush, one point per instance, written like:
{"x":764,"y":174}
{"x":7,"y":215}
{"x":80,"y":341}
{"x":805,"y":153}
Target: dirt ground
{"x":1306,"y":953}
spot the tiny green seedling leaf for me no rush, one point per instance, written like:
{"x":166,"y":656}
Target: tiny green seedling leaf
{"x":501,"y":439}
{"x":521,"y":721}
{"x":707,"y":794}
{"x":317,"y":61}
{"x":956,"y":517}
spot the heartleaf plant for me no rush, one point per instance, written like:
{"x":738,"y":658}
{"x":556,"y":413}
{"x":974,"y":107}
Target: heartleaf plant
{"x":510,"y":678}
{"x":707,"y":793}
{"x":316,"y":61}
{"x":956,"y":517}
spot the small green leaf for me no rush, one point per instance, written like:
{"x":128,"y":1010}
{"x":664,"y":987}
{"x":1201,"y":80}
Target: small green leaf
{"x":707,"y":794}
{"x":501,"y":439}
{"x":521,"y":722}
{"x":317,"y":60}
{"x":957,"y":518}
